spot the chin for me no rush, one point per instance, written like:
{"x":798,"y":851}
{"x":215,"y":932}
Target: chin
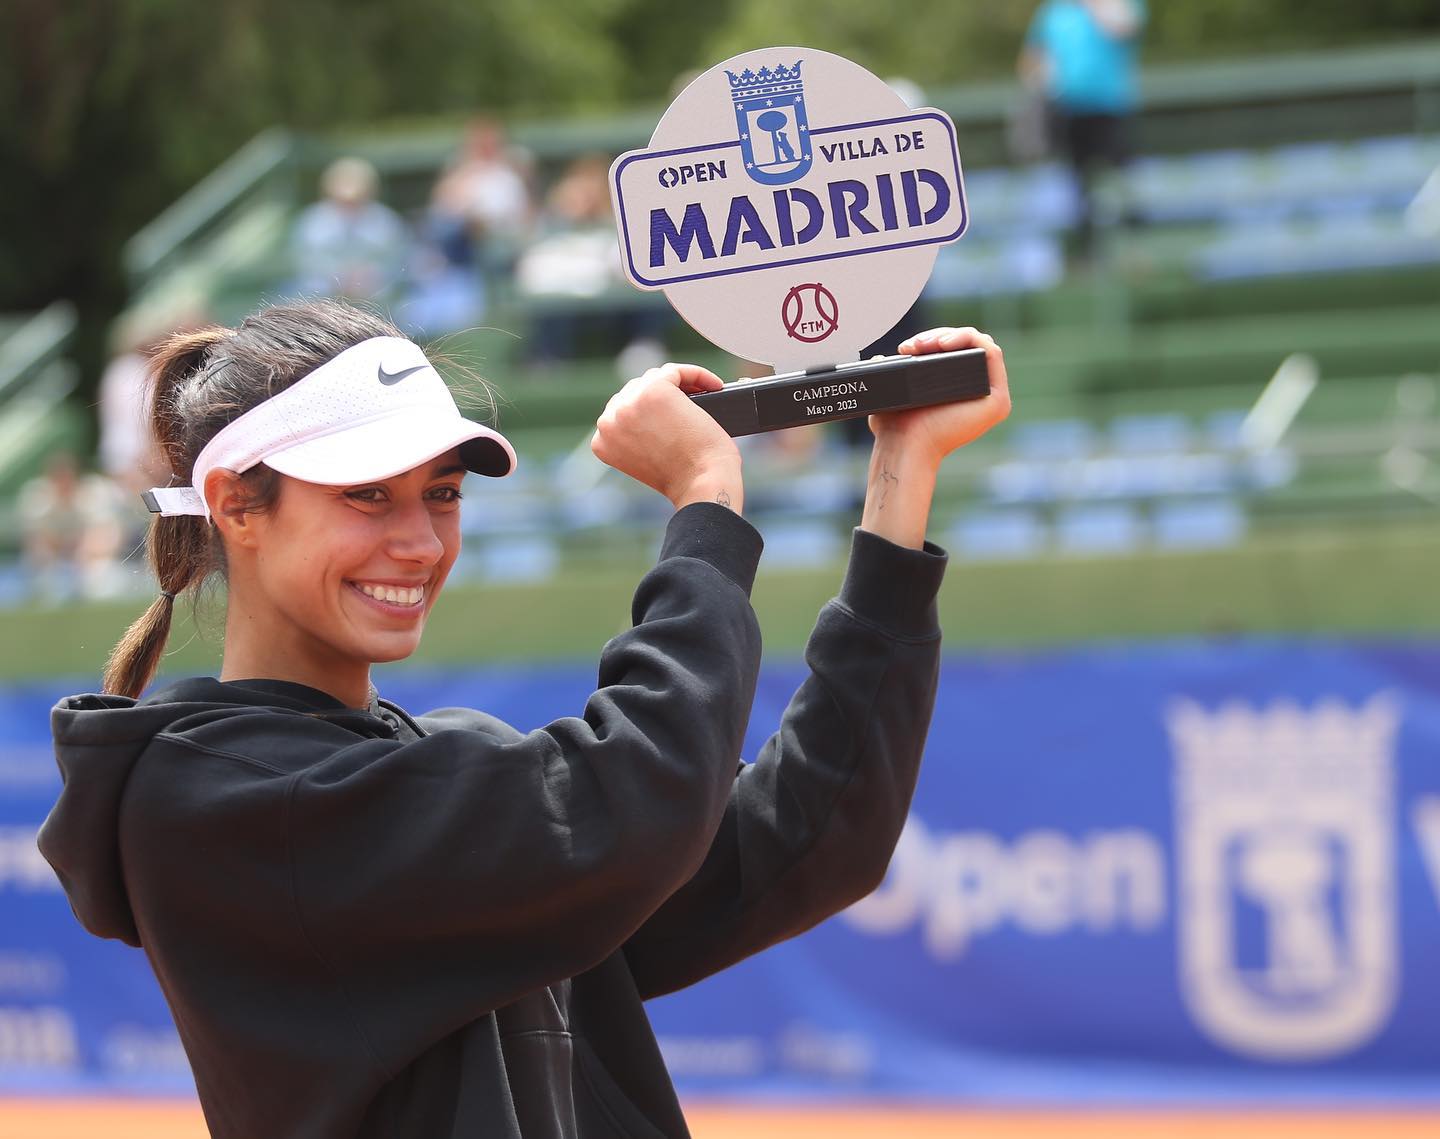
{"x":388,"y":651}
{"x":389,"y":656}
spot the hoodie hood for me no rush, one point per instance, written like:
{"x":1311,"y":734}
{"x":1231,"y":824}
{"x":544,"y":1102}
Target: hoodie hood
{"x":98,"y":742}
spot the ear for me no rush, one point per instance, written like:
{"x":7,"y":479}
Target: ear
{"x":227,"y":498}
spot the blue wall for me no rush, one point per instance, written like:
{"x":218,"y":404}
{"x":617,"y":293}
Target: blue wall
{"x":1165,"y":872}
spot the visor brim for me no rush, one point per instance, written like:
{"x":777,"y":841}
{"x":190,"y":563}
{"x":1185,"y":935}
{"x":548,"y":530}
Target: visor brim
{"x":393,"y":444}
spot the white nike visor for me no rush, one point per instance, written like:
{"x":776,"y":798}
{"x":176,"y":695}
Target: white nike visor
{"x":375,"y":411}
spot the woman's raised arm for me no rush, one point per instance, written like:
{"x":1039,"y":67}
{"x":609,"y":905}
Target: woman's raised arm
{"x":910,"y":445}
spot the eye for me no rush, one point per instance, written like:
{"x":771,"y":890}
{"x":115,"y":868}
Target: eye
{"x":369,"y":495}
{"x":446,"y":495}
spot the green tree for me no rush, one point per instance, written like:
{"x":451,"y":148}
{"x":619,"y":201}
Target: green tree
{"x":115,"y":107}
{"x":931,"y":42}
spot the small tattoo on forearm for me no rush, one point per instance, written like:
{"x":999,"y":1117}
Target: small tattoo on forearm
{"x":723,"y":498}
{"x":885,"y":480}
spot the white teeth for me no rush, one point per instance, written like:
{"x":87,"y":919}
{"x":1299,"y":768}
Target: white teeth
{"x":392,"y":594}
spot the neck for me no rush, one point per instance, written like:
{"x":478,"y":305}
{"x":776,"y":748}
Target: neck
{"x":268,"y":650}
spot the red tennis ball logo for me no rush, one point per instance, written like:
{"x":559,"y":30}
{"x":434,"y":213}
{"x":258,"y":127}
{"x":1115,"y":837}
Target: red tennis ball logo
{"x":810,"y":312}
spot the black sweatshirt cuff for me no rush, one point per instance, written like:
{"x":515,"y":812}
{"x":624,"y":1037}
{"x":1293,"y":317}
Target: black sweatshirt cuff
{"x":717,"y":535}
{"x":894,"y":587}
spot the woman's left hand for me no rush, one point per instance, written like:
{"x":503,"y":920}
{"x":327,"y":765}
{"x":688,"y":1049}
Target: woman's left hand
{"x":928,"y":434}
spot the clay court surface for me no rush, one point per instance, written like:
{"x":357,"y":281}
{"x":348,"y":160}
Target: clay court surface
{"x":68,"y":1119}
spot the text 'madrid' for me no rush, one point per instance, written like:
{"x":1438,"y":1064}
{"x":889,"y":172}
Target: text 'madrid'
{"x":783,"y":190}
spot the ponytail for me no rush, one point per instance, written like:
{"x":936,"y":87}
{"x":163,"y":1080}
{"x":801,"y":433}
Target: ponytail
{"x":180,"y":550}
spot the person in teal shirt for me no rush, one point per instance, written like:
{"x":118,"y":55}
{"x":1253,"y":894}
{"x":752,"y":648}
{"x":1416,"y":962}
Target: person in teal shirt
{"x":1082,"y":55}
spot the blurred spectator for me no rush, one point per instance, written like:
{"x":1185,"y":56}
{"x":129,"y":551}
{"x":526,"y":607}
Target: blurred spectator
{"x":482,"y":200}
{"x":577,"y":255}
{"x":1081,"y":54}
{"x":128,"y":453}
{"x":576,"y":251}
{"x":71,"y":529}
{"x":348,"y":244}
{"x":479,"y":217}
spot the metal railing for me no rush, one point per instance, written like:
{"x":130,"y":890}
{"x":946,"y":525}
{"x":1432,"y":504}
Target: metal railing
{"x":264,"y":159}
{"x":36,"y":377}
{"x":38,"y":341}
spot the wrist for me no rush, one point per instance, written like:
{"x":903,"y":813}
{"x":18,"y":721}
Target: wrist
{"x":906,"y":435}
{"x":899,"y":488}
{"x":724,"y":486}
{"x":908,"y":453}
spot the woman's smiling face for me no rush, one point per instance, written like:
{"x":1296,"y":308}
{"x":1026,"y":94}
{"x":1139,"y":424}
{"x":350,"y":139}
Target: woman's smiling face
{"x":336,"y":578}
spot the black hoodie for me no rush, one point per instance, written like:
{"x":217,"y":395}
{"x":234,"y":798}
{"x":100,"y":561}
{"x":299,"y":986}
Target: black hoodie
{"x":372,"y":925}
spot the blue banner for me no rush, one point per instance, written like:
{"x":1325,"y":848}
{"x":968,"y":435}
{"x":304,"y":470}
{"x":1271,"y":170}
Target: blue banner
{"x":1172,"y":872}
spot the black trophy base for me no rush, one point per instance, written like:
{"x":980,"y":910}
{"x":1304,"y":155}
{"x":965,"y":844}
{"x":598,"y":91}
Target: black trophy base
{"x":847,"y":391}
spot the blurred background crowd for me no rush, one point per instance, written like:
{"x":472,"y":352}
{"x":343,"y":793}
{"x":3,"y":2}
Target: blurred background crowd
{"x":450,"y":167}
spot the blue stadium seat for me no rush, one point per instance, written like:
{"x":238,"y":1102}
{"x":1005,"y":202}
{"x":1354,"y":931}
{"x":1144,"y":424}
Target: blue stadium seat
{"x":1053,"y":439}
{"x":1305,"y":172}
{"x":995,"y":534}
{"x":1346,"y":240}
{"x":1392,"y":168}
{"x":1192,"y":524}
{"x":1017,"y":263}
{"x":1158,"y":475}
{"x":1222,"y":429}
{"x":1147,"y":434}
{"x":1047,"y":198}
{"x":801,"y":543}
{"x":1108,"y":528}
{"x":1267,"y":470}
{"x":1019,"y":480}
{"x":530,"y":558}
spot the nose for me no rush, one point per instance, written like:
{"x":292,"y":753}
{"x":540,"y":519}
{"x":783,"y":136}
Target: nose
{"x":413,"y":536}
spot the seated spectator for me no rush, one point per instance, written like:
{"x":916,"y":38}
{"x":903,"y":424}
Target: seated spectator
{"x":577,"y":254}
{"x":479,"y":216}
{"x":71,"y":529}
{"x":576,"y":250}
{"x":348,"y":244}
{"x":480,"y":209}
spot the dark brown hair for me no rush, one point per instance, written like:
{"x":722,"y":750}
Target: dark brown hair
{"x":199,"y":382}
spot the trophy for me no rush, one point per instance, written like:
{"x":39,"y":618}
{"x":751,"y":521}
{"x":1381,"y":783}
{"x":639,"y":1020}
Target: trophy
{"x":790,"y":206}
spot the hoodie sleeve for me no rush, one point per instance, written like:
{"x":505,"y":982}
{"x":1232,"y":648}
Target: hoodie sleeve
{"x":444,"y":877}
{"x":810,"y":826}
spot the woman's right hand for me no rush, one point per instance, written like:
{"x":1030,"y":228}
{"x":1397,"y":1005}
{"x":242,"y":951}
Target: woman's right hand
{"x":651,"y":431}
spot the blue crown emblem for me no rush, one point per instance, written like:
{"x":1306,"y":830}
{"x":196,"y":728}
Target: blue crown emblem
{"x":781,"y":80}
{"x":774,"y":131}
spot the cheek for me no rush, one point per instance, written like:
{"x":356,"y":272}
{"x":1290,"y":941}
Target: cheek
{"x":447,"y":529}
{"x":329,"y":547}
{"x":449,"y":532}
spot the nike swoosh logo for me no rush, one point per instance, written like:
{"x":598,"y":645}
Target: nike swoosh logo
{"x":388,"y":378}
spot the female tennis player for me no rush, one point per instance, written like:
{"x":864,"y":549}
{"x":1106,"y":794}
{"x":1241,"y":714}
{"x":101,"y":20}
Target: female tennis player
{"x":368,"y":923}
